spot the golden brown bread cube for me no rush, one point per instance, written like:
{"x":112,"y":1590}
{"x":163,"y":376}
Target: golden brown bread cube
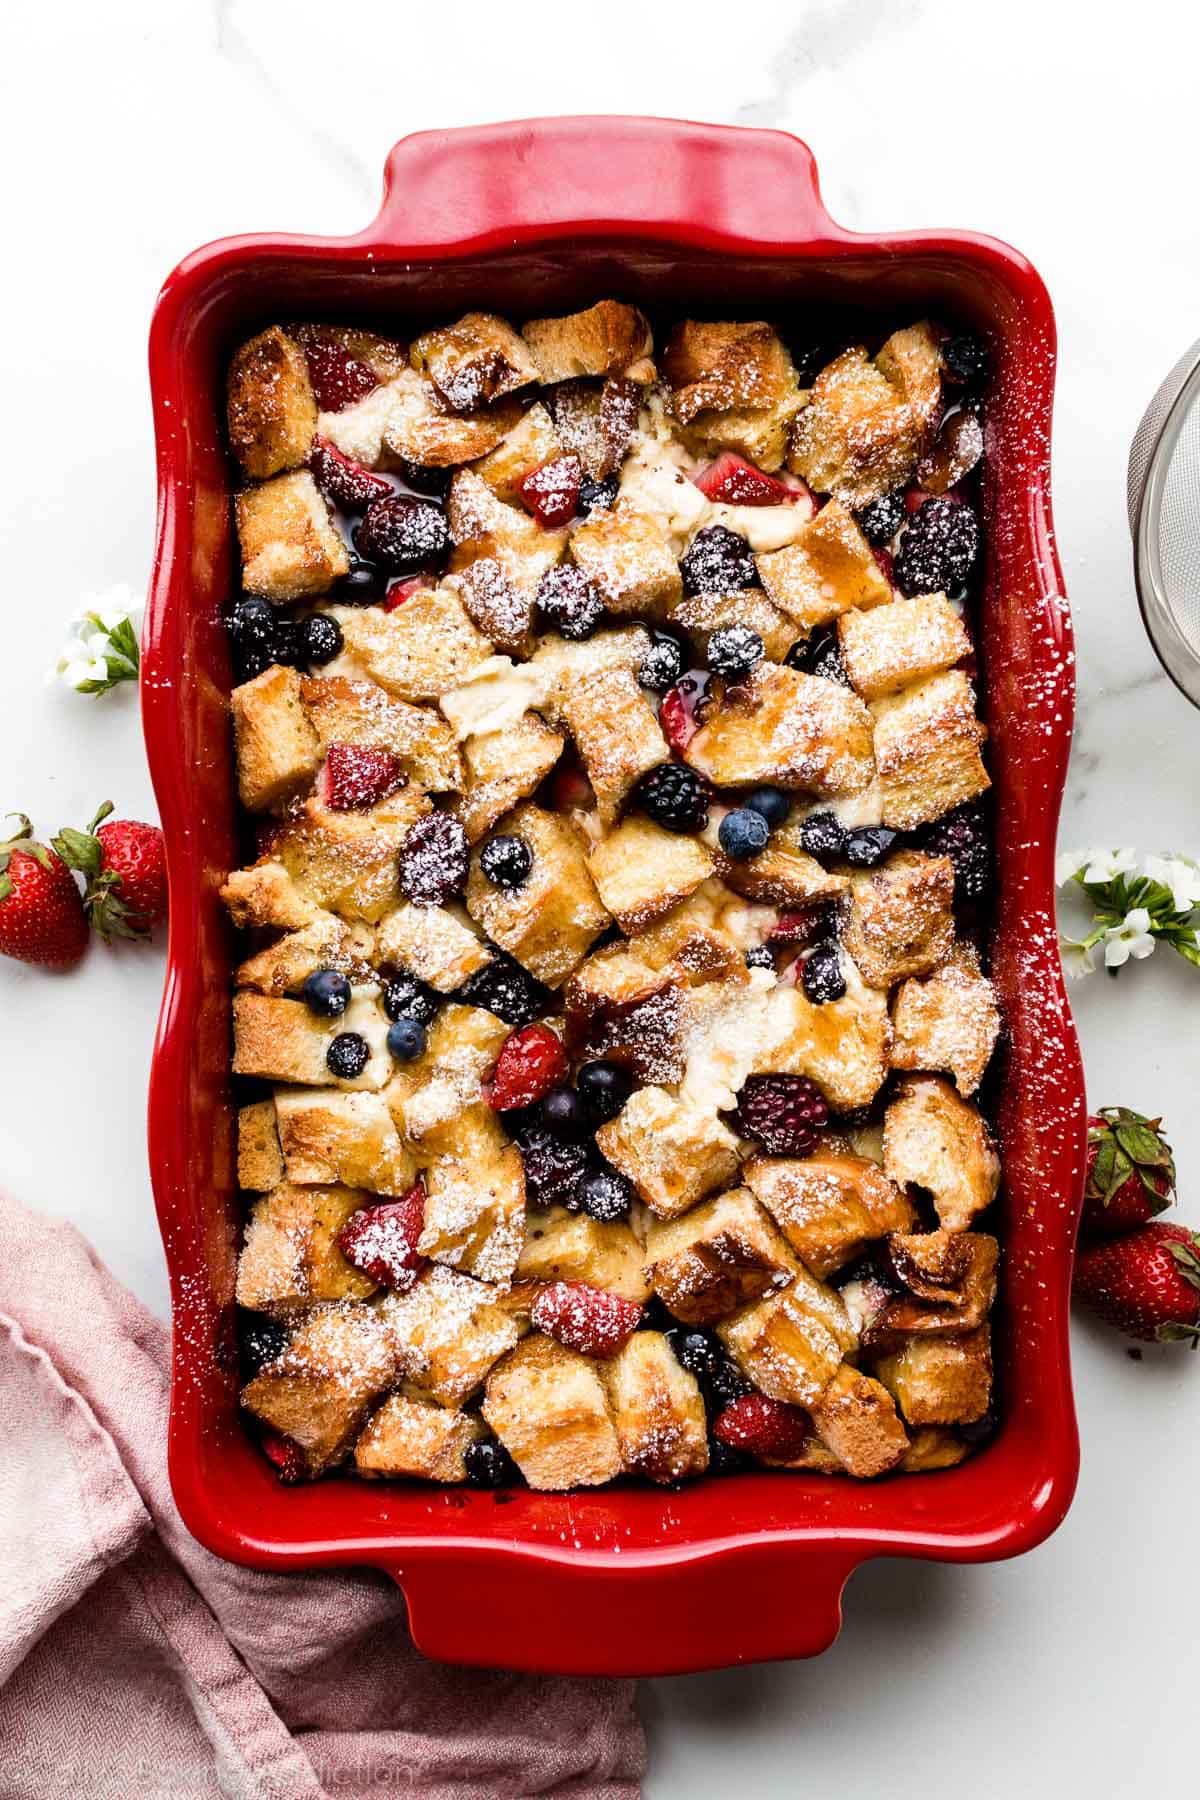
{"x":620,"y":1008}
{"x":783,"y":874}
{"x":601,"y":340}
{"x":548,"y":1407}
{"x":792,"y":1342}
{"x":478,"y":359}
{"x":901,"y":917}
{"x":346,"y":861}
{"x":259,"y":1161}
{"x":830,"y":569}
{"x":673,"y":1152}
{"x":927,"y":744}
{"x":692,"y":943}
{"x":560,"y":666}
{"x":290,"y":546}
{"x":892,"y":646}
{"x":281,"y":1040}
{"x":950,"y":1021}
{"x":409,"y":422}
{"x":414,"y":1440}
{"x":346,"y":711}
{"x":278,"y":751}
{"x":550,"y":922}
{"x":787,"y":728}
{"x":941,"y":1380}
{"x":502,"y":768}
{"x":856,"y":1417}
{"x":266,"y":896}
{"x":842,"y":1046}
{"x":940,"y":1143}
{"x":327,"y":943}
{"x":564,"y":1246}
{"x":475,"y":1198}
{"x":420,"y":650}
{"x":617,"y":734}
{"x":290,"y":1258}
{"x":717,"y":1257}
{"x":828,"y":1207}
{"x":432,"y":942}
{"x":428,"y":1094}
{"x":932,"y":1447}
{"x":501,"y":609}
{"x":596,"y":420}
{"x":733,"y":385}
{"x":446,"y":1332}
{"x":531,"y":442}
{"x":950,"y":1278}
{"x":657,"y":1408}
{"x":329,"y":1136}
{"x":271,"y":409}
{"x":867,"y":423}
{"x":642,"y":871}
{"x":627,"y":555}
{"x":485,"y":529}
{"x":702,"y":614}
{"x":318,"y":1392}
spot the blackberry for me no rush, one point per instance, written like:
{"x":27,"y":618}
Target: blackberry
{"x":733,"y":651}
{"x":603,"y":1088}
{"x":260,"y":1340}
{"x":966,"y":361}
{"x":503,"y":987}
{"x":784,"y":1113}
{"x":406,"y":1039}
{"x":554,"y":1167}
{"x":823,"y":835}
{"x":434,"y":859}
{"x":963,"y":836}
{"x":760,"y":956}
{"x":424,"y":480}
{"x":743,"y":834}
{"x":868,"y":845}
{"x":674,"y":797}
{"x":881,"y":519}
{"x":938,"y":549}
{"x":288,"y":644}
{"x":326,"y":992}
{"x":605,"y":1195}
{"x":347,"y":1056}
{"x":821,"y":974}
{"x":488,"y":1465}
{"x":403,"y":534}
{"x":568,"y":601}
{"x":321,"y":638}
{"x":697,"y":1351}
{"x":662,"y":664}
{"x":404,"y":997}
{"x":506,"y":861}
{"x":819,"y":654}
{"x":562,"y":1113}
{"x":717,"y":561}
{"x":598,"y":496}
{"x":726,"y":1459}
{"x":772,"y":802}
{"x":724,"y":1382}
{"x":361,"y":584}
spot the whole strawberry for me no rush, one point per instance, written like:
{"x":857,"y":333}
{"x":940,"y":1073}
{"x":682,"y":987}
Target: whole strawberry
{"x":41,"y":915}
{"x":125,"y":876}
{"x":1146,"y":1284}
{"x":1130,"y":1171}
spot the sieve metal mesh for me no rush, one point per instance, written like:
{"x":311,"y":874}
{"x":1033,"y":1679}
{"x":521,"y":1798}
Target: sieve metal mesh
{"x":1146,"y":436}
{"x":1163,"y":497}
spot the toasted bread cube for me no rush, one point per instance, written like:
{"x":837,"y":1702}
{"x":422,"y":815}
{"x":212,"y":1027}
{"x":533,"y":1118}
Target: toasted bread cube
{"x":856,"y":1417}
{"x":501,"y":609}
{"x":943,"y":1380}
{"x":950,"y":1021}
{"x":406,"y":421}
{"x":386,"y":357}
{"x":791,"y":1343}
{"x":842,"y":1046}
{"x":932,"y":1447}
{"x":927,"y":743}
{"x":564,"y":1246}
{"x":691,"y":943}
{"x":617,"y":734}
{"x":787,"y":728}
{"x":628,"y":555}
{"x":783,"y":874}
{"x":318,"y":1392}
{"x":950,"y":1277}
{"x":259,"y":1161}
{"x":346,"y":711}
{"x":829,"y":569}
{"x":266,"y":896}
{"x":717,"y":1257}
{"x":531,"y":442}
{"x":596,"y":422}
{"x":901,"y":918}
{"x":271,"y":409}
{"x":429,"y":1094}
{"x":328,"y":943}
{"x":892,"y":646}
{"x":413,"y":1440}
{"x":347,"y":861}
{"x":291,"y":1258}
{"x":447,"y":1330}
{"x":550,"y":921}
{"x":482,"y":524}
{"x":673,"y":1152}
{"x":420,"y":650}
{"x":657,"y":1408}
{"x":618,"y":1007}
{"x":281,"y":1040}
{"x":560,"y":666}
{"x":940,"y":1143}
{"x":475,"y":1198}
{"x":642,"y":871}
{"x":278,"y":752}
{"x":828,"y":1207}
{"x":328,"y":1136}
{"x":502,"y":768}
{"x":290,"y":546}
{"x":734,"y":386}
{"x":548,"y":1407}
{"x":602,"y":340}
{"x":702,"y":614}
{"x":868,"y":423}
{"x":475,"y":361}
{"x":432,"y":942}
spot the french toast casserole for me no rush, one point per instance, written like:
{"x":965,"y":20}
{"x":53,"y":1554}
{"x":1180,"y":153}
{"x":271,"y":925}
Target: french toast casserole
{"x":614,"y":1008}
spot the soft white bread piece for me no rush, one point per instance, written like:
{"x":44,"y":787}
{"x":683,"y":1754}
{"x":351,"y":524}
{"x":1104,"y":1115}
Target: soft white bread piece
{"x":939,"y":1142}
{"x":842,"y":1046}
{"x":420,"y":650}
{"x":787,"y":728}
{"x":475,"y":1198}
{"x":290,"y":546}
{"x":548,"y":1407}
{"x":559,"y":666}
{"x":446,"y":1332}
{"x":345,"y":711}
{"x":346,"y":861}
{"x":950,"y":1021}
{"x":429,"y":1094}
{"x":259,"y":1161}
{"x":432,"y":942}
{"x":901,"y":918}
{"x":856,"y":1417}
{"x":927,"y":744}
{"x":550,"y":922}
{"x":531,"y":442}
{"x":564,"y":1246}
{"x":828,"y":1207}
{"x":867,"y":424}
{"x":617,"y":734}
{"x":329,"y":1136}
{"x":290,"y":1258}
{"x":733,"y":386}
{"x":271,"y":409}
{"x":409,"y":422}
{"x":416,"y":1441}
{"x":319,"y":1391}
{"x":508,"y":549}
{"x":722,"y":1254}
{"x":828,"y":570}
{"x":642,"y":871}
{"x":502,"y":768}
{"x":478,"y":359}
{"x":281,"y":1040}
{"x":944,"y":1380}
{"x":673,"y":1152}
{"x":791,"y":1342}
{"x":327,"y":943}
{"x":657,"y":1408}
{"x":627,"y":555}
{"x":278,"y":750}
{"x":892,"y":646}
{"x":602,"y":340}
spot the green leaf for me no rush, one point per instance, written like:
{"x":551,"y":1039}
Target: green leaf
{"x":79,"y":850}
{"x":1141,"y":1144}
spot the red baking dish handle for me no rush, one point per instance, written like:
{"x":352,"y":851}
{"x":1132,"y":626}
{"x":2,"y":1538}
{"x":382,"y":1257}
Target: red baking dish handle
{"x":595,"y":175}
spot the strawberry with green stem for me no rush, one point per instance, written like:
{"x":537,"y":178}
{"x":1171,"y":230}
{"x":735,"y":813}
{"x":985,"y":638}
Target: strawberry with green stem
{"x":1130,"y":1171}
{"x":125,"y":878}
{"x":1145,"y":1283}
{"x":41,"y":915}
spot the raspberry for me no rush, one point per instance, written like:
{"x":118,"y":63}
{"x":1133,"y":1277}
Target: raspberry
{"x":963,"y":836}
{"x":938,"y":550}
{"x":382,"y":1240}
{"x":551,"y":491}
{"x":733,"y":651}
{"x":717,"y":561}
{"x":819,"y":654}
{"x":503,"y":987}
{"x":554,"y":1167}
{"x":881,"y":519}
{"x":531,"y":1062}
{"x":588,"y":1319}
{"x":402,"y":534}
{"x":568,"y":601}
{"x":674,"y":797}
{"x":343,"y":480}
{"x":784,"y":1113}
{"x":763,"y":1427}
{"x":338,"y":378}
{"x":434,"y":859}
{"x":357,"y":776}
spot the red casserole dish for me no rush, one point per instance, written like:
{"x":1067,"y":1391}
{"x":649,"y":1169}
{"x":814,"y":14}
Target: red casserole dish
{"x":541,"y":217}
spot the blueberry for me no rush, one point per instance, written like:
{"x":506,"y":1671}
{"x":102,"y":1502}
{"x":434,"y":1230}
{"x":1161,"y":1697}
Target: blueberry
{"x":821,"y":974}
{"x":717,"y":561}
{"x":604,"y":1088}
{"x":404,"y":997}
{"x":733,"y":651}
{"x":489,"y":1465}
{"x":673,"y":796}
{"x":966,"y":360}
{"x":606,"y":1195}
{"x":695,"y":1350}
{"x":760,"y":956}
{"x":361,"y":584}
{"x":348,"y":1055}
{"x":725,"y":1382}
{"x":424,"y":480}
{"x":260,"y":1340}
{"x":743,"y":834}
{"x":662,"y":664}
{"x":569,"y":602}
{"x":881,"y":519}
{"x":321,"y":639}
{"x":506,"y":861}
{"x":597,"y":496}
{"x":252,"y":633}
{"x":562,"y":1112}
{"x":287,"y":646}
{"x":819,"y":654}
{"x":327,"y":992}
{"x":868,"y":845}
{"x":406,"y":1039}
{"x":726,"y":1459}
{"x":823,"y":835}
{"x":402,"y":534}
{"x":771,"y":802}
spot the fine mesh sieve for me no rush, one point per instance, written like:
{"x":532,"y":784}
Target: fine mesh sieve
{"x":1163,"y":493}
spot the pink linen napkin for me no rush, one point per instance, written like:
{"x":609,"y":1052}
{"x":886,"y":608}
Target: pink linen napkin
{"x":132,"y":1662}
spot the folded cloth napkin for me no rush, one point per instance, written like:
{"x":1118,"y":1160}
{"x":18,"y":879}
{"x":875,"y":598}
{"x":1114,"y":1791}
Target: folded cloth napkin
{"x":132,"y":1662}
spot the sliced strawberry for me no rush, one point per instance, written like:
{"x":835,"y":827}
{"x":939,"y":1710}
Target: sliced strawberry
{"x":267,"y":833}
{"x":357,"y":776}
{"x":799,"y":925}
{"x":736,"y":482}
{"x":682,"y":711}
{"x":570,"y":789}
{"x":551,"y":491}
{"x":404,"y":589}
{"x":338,"y":378}
{"x":886,"y":562}
{"x":531,"y":1062}
{"x":382,"y":1240}
{"x":346,"y":482}
{"x":287,"y":1457}
{"x":763,"y":1427}
{"x":588,"y":1319}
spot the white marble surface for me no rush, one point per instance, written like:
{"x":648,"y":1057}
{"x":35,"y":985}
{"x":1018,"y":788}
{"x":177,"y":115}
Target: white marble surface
{"x":133,"y":132}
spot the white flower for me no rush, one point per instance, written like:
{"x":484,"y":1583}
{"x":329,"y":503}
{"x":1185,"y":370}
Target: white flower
{"x":1077,"y":959}
{"x":1095,"y":865}
{"x":102,"y":648}
{"x":1181,"y":875}
{"x":1067,"y":865}
{"x":1130,"y":938}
